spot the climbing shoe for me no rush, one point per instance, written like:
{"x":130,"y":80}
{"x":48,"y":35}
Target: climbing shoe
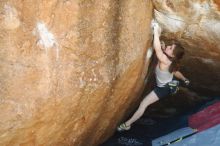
{"x":123,"y":127}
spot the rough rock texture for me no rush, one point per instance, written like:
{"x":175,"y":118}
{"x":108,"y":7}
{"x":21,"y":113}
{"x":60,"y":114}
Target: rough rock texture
{"x":68,"y":68}
{"x":196,"y":24}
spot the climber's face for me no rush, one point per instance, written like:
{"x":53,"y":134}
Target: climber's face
{"x":169,"y":50}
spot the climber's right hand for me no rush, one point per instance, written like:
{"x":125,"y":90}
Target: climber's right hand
{"x":156,"y":27}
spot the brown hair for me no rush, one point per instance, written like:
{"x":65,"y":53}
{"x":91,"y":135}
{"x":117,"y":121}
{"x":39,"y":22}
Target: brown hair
{"x":178,"y":53}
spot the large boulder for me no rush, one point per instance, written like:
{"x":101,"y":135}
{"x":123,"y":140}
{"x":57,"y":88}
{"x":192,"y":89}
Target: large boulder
{"x":69,"y":69}
{"x":196,"y":24}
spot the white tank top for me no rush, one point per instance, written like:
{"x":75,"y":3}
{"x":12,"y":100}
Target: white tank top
{"x":162,"y":77}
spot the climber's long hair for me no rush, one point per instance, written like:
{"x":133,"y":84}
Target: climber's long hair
{"x":178,"y":53}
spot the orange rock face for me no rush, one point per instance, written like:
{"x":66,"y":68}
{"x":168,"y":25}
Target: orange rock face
{"x":196,"y":24}
{"x":69,"y":68}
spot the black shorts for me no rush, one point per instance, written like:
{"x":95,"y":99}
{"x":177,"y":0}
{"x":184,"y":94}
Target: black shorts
{"x":162,"y":92}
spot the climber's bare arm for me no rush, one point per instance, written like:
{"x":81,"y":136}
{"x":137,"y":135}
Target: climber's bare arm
{"x":180,"y":76}
{"x":157,"y":45}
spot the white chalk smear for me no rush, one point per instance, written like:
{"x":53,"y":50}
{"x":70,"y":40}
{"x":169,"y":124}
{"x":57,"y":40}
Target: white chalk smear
{"x":206,"y":60}
{"x":11,"y":20}
{"x":10,"y":11}
{"x":149,"y":53}
{"x":46,"y":38}
{"x":200,"y":8}
{"x":172,"y":22}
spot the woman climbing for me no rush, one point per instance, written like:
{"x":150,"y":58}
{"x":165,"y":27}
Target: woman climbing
{"x":168,"y":64}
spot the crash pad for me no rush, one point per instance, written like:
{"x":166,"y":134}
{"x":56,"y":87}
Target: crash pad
{"x":209,"y":137}
{"x":173,"y":136}
{"x":205,"y":118}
